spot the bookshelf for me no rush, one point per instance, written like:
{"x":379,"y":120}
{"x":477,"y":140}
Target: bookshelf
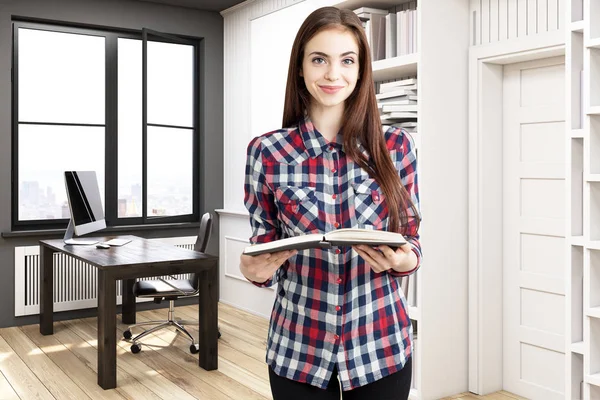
{"x":583,"y":170}
{"x":440,"y":300}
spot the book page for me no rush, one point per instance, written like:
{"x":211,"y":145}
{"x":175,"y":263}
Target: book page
{"x":362,"y":235}
{"x":296,"y":242}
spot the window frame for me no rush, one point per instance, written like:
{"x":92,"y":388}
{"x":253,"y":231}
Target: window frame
{"x":111,"y":36}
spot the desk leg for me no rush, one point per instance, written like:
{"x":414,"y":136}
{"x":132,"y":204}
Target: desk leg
{"x":107,"y":330}
{"x":128,"y":316}
{"x":208,"y":309}
{"x":46,"y":290}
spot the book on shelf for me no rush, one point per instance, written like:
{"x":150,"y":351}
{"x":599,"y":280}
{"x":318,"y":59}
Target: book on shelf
{"x":388,"y":86}
{"x":339,"y":237}
{"x":395,"y":102}
{"x":399,"y":108}
{"x":394,"y":116}
{"x":412,"y":99}
{"x":406,"y":32}
{"x":387,"y":89}
{"x":390,"y":35}
{"x":395,"y":93}
{"x":369,"y":11}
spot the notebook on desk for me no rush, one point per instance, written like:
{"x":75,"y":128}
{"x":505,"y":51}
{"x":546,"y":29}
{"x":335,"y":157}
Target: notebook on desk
{"x":117,"y":242}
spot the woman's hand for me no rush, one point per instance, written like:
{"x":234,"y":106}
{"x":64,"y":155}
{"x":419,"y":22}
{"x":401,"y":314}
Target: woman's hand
{"x":261,"y":268}
{"x":383,"y":258}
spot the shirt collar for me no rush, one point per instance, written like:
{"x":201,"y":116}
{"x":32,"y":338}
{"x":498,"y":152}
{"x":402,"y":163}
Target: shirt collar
{"x":316,"y":144}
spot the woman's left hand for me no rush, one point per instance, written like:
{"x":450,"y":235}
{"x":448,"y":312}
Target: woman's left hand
{"x":383,"y":258}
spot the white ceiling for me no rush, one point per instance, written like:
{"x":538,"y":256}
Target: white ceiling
{"x":208,"y":5}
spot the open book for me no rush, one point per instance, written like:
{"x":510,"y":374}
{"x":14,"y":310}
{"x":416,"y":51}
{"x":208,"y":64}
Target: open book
{"x":340,"y":237}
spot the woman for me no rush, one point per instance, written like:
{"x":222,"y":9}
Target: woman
{"x":339,"y":314}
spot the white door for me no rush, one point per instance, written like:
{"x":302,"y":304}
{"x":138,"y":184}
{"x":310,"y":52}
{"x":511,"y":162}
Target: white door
{"x":534,"y":229}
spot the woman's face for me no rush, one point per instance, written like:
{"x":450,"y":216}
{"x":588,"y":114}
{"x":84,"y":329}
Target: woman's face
{"x":330,"y":67}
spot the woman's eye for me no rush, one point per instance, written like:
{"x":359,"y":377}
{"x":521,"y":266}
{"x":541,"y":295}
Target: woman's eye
{"x":348,"y":61}
{"x":318,"y":60}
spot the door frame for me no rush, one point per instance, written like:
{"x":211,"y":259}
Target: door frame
{"x":486,"y":65}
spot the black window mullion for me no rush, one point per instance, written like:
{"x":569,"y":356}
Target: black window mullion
{"x":197,"y":140}
{"x":111,"y":132}
{"x":145,"y":125}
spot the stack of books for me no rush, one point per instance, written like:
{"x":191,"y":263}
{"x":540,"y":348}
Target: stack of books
{"x":397,"y":103}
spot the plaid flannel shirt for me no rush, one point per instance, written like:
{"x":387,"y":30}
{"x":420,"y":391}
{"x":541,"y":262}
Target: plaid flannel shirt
{"x":330,"y":308}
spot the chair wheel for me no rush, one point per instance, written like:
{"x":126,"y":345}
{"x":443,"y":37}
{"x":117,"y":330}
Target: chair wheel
{"x":127,"y":334}
{"x":136,"y":348}
{"x":194,"y":349}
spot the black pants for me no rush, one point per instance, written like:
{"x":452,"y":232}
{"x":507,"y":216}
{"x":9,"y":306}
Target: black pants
{"x":393,"y":387}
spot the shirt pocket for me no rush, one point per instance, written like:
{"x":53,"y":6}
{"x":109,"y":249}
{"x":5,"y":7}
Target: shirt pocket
{"x":298,"y":209}
{"x":369,"y":208}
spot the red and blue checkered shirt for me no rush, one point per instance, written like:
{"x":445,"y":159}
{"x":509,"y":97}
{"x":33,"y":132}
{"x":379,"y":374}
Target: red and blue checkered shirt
{"x":331,"y":309}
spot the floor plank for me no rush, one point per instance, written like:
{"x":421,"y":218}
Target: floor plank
{"x":176,"y":346}
{"x":55,"y":380}
{"x":24,"y":382}
{"x":64,"y":365}
{"x":6,"y":389}
{"x":151,"y":378}
{"x":127,"y":385}
{"x":75,"y":368}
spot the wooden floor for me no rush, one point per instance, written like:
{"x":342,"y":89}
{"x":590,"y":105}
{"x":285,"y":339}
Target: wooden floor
{"x":63,"y":366}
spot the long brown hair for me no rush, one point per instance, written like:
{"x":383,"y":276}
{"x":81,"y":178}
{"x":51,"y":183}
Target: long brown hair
{"x":361,"y":121}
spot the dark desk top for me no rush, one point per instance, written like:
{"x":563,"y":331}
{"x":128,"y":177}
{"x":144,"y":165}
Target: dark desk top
{"x":138,"y":252}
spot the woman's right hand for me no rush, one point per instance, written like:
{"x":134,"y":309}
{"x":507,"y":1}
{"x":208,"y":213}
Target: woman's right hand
{"x":261,"y":268}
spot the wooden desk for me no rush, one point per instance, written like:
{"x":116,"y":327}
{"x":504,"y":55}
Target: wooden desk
{"x":138,"y":258}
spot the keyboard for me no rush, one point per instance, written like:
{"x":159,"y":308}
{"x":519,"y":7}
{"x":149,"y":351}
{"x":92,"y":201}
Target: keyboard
{"x":117,"y":242}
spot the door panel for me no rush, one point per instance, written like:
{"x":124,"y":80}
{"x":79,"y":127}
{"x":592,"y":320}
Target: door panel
{"x":534,"y":229}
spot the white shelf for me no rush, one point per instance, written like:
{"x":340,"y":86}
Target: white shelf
{"x":595,"y":110}
{"x":592,"y":177}
{"x":413,"y":313}
{"x":577,"y":347}
{"x":577,"y":26}
{"x":383,"y":4}
{"x":577,"y":241}
{"x":593,"y":43}
{"x":593,"y":379}
{"x":577,"y":133}
{"x":593,"y":312}
{"x":593,"y":244}
{"x":396,"y":67}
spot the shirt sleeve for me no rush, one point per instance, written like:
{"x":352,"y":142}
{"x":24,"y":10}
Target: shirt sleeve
{"x":407,"y":168}
{"x":260,"y":202}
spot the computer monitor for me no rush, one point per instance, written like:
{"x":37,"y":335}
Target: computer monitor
{"x":85,"y":205}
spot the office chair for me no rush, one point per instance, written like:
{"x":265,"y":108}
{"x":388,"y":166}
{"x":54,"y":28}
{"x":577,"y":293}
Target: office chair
{"x":171,"y":290}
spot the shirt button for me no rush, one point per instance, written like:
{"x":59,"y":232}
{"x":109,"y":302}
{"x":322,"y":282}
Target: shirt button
{"x":334,"y":196}
{"x":336,"y":224}
{"x":334,"y":170}
{"x":331,"y":148}
{"x":339,"y":280}
{"x":336,"y":337}
{"x":337,"y":251}
{"x":338,"y":308}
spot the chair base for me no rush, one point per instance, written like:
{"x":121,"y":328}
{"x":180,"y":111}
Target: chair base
{"x":170,"y":322}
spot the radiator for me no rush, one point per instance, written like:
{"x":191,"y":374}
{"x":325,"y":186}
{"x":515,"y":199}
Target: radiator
{"x":75,"y":282}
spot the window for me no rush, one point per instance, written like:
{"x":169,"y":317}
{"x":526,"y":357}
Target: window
{"x":123,"y":104}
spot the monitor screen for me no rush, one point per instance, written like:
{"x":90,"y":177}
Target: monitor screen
{"x":85,"y":203}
